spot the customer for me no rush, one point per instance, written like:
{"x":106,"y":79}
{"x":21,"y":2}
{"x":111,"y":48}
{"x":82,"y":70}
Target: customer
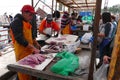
{"x":22,"y":37}
{"x":105,"y":34}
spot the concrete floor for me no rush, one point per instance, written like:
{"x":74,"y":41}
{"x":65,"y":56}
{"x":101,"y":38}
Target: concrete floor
{"x":7,"y":57}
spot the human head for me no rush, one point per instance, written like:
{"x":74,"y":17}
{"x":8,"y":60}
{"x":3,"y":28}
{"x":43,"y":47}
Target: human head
{"x":28,"y":12}
{"x":66,"y":14}
{"x":56,"y":14}
{"x":28,"y":8}
{"x":49,"y":18}
{"x":79,"y":18}
{"x":73,"y":14}
{"x":106,"y":17}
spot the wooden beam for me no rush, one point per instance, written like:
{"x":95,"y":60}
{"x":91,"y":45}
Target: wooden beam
{"x":40,"y":74}
{"x":95,"y":34}
{"x":62,"y":3}
{"x":81,"y":3}
{"x":76,"y":4}
{"x":81,"y":6}
{"x":86,"y":3}
{"x":84,"y":9}
{"x":59,"y":1}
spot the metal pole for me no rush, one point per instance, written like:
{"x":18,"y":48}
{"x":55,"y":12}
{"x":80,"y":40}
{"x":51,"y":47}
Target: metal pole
{"x":95,"y":32}
{"x":52,"y":6}
{"x":56,"y":6}
{"x":32,"y":2}
{"x":37,"y":3}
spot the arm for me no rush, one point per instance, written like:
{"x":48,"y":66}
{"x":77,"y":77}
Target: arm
{"x":31,"y":47}
{"x":102,"y":35}
{"x":16,"y":27}
{"x":107,"y":29}
{"x":42,"y":27}
{"x":56,"y":27}
{"x":107,"y":51}
{"x":36,"y":44}
{"x":34,"y":27}
{"x":17,"y":30}
{"x":101,"y":31}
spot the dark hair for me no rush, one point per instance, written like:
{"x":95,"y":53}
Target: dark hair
{"x":56,"y":14}
{"x":106,"y":17}
{"x":79,"y":18}
{"x":72,"y":14}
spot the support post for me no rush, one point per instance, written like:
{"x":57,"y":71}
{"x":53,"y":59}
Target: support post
{"x":95,"y":32}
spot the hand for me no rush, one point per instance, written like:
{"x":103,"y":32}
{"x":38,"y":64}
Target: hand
{"x":106,"y":59}
{"x":36,"y":51}
{"x":101,"y":35}
{"x":48,"y":35}
{"x":38,"y":46}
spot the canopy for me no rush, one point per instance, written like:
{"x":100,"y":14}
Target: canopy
{"x":79,"y":4}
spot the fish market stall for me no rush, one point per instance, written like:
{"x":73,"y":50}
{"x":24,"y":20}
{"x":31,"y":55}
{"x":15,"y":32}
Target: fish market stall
{"x":44,"y":70}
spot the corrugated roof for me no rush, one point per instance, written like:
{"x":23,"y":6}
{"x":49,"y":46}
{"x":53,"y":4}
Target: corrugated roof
{"x":79,"y":4}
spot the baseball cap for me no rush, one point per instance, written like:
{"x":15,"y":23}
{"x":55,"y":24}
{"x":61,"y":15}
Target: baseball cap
{"x":28,"y":8}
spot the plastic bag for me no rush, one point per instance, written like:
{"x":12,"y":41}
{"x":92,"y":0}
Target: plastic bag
{"x":101,"y":73}
{"x":71,"y":47}
{"x":86,"y":37}
{"x":84,"y":62}
{"x":66,"y":65}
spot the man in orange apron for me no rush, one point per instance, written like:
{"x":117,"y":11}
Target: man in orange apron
{"x":48,"y":26}
{"x":22,"y":37}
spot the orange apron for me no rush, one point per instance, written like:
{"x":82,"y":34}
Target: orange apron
{"x":67,"y":29}
{"x":21,"y":51}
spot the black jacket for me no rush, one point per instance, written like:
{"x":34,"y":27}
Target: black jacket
{"x":17,"y":29}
